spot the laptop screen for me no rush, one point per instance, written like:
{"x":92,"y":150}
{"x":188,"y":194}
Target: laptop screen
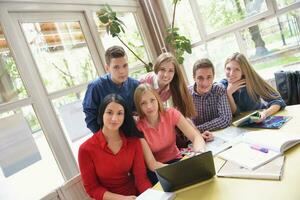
{"x":186,"y":172}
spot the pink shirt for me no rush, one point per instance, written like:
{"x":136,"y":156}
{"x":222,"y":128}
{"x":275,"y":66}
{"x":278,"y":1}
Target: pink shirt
{"x":151,"y":79}
{"x":162,"y":139}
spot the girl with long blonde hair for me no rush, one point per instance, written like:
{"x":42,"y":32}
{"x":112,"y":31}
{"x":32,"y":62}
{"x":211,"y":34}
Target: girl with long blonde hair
{"x":247,"y":91}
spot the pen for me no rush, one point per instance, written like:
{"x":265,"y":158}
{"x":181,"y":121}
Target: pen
{"x":261,"y":149}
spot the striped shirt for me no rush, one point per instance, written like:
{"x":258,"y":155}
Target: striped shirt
{"x":213,"y":109}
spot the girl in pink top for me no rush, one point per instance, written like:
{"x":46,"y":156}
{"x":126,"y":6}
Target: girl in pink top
{"x":158,"y":125}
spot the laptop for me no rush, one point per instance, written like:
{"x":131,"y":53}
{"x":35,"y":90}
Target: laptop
{"x":186,"y":172}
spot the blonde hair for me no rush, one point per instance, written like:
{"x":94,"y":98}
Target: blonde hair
{"x":139,"y":91}
{"x":181,"y":97}
{"x":255,"y":84}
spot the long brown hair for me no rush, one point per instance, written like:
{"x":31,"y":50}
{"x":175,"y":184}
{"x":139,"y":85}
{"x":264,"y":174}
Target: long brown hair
{"x":255,"y":84}
{"x":181,"y":97}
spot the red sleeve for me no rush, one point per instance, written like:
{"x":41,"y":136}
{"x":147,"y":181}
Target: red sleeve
{"x":142,"y":182}
{"x":89,"y":176}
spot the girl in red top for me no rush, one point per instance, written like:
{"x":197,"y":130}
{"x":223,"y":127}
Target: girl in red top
{"x":111,"y":162}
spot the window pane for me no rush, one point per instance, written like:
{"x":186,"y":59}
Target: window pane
{"x":131,"y":37}
{"x":11,"y":86}
{"x":61,"y":53}
{"x":70,"y":113}
{"x":218,"y":14}
{"x":38,"y":178}
{"x":217,"y":51}
{"x":284,"y":3}
{"x":276,"y":42}
{"x":184,"y":19}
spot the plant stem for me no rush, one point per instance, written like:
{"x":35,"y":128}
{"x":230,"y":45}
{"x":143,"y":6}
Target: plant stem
{"x":173,"y":17}
{"x":132,"y":51}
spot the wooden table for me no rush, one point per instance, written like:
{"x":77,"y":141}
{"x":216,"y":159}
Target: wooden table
{"x":220,"y":188}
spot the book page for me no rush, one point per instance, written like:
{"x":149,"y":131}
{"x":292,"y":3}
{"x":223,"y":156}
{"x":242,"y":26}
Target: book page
{"x":245,"y":156}
{"x":271,"y":170}
{"x":151,"y":194}
{"x":274,"y":140}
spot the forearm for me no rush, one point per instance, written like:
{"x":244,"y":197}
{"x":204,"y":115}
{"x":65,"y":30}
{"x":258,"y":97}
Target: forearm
{"x":272,"y":110}
{"x":150,"y":160}
{"x":217,"y":123}
{"x":91,"y":120}
{"x":232,"y":104}
{"x":198,"y":144}
{"x":113,"y":196}
{"x":192,"y":134}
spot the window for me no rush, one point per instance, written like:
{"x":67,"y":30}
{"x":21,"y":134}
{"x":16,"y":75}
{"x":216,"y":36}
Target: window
{"x":215,"y":50}
{"x":277,"y":42}
{"x":24,"y":158}
{"x":284,"y":3}
{"x":132,"y":38}
{"x":61,"y":53}
{"x":11,"y":85}
{"x":184,"y":19}
{"x":270,"y":40}
{"x":219,"y":14}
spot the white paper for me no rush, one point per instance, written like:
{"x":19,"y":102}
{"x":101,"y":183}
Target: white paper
{"x":17,"y":146}
{"x":73,"y":119}
{"x":151,"y":194}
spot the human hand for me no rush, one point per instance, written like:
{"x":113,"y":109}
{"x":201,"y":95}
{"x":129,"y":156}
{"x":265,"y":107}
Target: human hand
{"x":233,"y":87}
{"x":207,"y":136}
{"x":262,"y":116}
{"x":136,"y":118}
{"x":129,"y":197}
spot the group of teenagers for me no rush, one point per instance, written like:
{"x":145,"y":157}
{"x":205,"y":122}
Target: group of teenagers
{"x":139,"y":126}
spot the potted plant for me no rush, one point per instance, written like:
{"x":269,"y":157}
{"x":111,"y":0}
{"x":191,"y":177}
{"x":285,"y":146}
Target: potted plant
{"x":114,"y":26}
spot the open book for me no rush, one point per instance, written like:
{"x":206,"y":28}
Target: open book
{"x":272,"y":170}
{"x":271,"y":122}
{"x":259,"y":147}
{"x":151,"y":194}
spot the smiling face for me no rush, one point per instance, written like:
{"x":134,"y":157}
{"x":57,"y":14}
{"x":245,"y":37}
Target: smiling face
{"x":118,"y":68}
{"x":113,"y":116}
{"x":233,"y":71}
{"x":149,"y":104}
{"x":166,"y":73}
{"x":204,"y":78}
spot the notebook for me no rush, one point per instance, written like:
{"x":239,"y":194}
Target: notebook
{"x":151,"y":194}
{"x":259,"y":147}
{"x":272,"y":170}
{"x":186,"y":172}
{"x":271,"y":122}
{"x":247,"y":119}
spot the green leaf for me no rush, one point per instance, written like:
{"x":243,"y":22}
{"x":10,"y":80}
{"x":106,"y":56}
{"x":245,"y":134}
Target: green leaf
{"x":104,"y":18}
{"x":180,"y":60}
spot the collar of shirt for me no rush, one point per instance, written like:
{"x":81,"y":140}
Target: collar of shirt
{"x":208,"y":94}
{"x":124,"y":84}
{"x":103,"y":143}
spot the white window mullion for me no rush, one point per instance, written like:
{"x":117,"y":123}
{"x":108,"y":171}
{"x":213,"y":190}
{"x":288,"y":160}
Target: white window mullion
{"x":199,"y":20}
{"x":240,"y":42}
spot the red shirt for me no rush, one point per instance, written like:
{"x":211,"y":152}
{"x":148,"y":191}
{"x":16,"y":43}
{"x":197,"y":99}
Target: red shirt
{"x":122,"y":173}
{"x":162,"y":139}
